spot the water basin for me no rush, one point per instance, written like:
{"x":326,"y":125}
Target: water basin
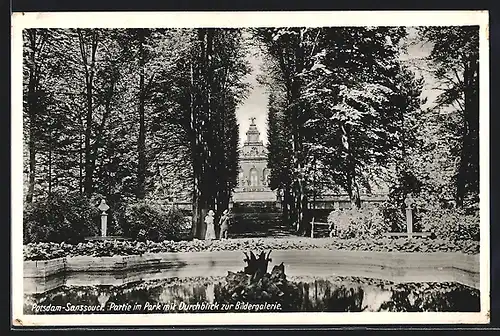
{"x":206,"y":294}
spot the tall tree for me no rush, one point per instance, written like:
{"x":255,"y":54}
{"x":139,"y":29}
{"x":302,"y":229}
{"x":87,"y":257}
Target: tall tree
{"x":352,"y":85}
{"x":88,"y":42}
{"x":455,"y":55}
{"x":205,"y":87}
{"x":342,"y":104}
{"x":148,"y":55}
{"x":289,"y":49}
{"x":278,"y":158}
{"x":34,"y":57}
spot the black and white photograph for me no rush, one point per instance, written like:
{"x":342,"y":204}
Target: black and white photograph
{"x":250,"y":168}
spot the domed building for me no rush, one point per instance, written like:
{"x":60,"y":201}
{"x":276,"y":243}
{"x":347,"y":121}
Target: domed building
{"x":253,"y":179}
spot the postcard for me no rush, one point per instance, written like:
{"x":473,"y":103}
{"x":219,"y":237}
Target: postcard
{"x":250,"y":168}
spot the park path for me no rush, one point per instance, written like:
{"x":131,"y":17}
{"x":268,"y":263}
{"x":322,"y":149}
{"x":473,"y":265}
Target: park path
{"x":263,"y":219}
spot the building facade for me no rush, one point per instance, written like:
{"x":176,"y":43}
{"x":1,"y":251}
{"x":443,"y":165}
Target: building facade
{"x":253,"y":179}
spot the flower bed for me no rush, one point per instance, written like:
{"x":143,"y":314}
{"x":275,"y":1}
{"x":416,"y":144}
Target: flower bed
{"x":45,"y":251}
{"x":311,"y":294}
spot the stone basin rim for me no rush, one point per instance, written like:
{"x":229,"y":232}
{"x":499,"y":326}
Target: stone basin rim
{"x":274,"y":251}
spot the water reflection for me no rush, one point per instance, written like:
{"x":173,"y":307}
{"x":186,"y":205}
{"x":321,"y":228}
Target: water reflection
{"x":312,"y":295}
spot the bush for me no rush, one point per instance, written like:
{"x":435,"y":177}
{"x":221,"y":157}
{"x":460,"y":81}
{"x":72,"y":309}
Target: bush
{"x":61,"y":217}
{"x":358,"y":223}
{"x":151,"y":221}
{"x":452,"y":224}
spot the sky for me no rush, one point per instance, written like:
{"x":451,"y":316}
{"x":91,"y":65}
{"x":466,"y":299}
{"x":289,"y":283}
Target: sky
{"x":256,"y":103}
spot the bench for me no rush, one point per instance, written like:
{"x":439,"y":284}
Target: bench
{"x":313,"y":224}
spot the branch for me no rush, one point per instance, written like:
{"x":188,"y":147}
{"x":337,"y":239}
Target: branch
{"x":315,"y":41}
{"x":83,"y":53}
{"x":458,"y":78}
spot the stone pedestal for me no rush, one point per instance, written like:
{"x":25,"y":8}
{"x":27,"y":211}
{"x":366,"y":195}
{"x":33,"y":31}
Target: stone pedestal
{"x":103,"y":207}
{"x":104,"y":225}
{"x":104,"y":218}
{"x":409,"y":216}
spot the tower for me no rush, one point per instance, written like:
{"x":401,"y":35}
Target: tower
{"x":253,"y":180}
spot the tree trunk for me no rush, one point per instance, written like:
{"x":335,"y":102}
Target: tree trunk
{"x":80,"y":157}
{"x":31,"y":142}
{"x":89,"y":82}
{"x":195,"y":229}
{"x":351,"y":183}
{"x":286,"y":205}
{"x":49,"y":173}
{"x":195,"y":155}
{"x":32,"y":113}
{"x":297,"y":145}
{"x":88,"y":180}
{"x":210,"y":177}
{"x":467,"y":180}
{"x":141,"y":143}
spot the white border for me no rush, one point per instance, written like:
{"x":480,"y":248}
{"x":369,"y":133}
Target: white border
{"x":243,"y":19}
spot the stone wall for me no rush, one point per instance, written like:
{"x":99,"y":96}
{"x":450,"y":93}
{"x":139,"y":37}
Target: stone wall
{"x":392,"y":266}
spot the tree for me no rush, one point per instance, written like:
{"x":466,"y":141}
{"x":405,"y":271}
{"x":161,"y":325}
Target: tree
{"x":351,"y":85}
{"x":203,"y":90}
{"x":455,"y":56}
{"x":345,"y":93}
{"x":289,"y":50}
{"x":35,"y":42}
{"x":148,"y":52}
{"x":278,"y":157}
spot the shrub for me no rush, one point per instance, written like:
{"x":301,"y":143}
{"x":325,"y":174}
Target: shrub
{"x":61,"y":217}
{"x":152,"y":221}
{"x":358,"y":223}
{"x":452,"y":224}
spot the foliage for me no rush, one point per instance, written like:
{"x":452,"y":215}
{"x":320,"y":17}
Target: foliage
{"x":454,"y":60}
{"x":347,"y":105}
{"x":358,"y":223}
{"x":204,"y":88}
{"x":61,"y":217}
{"x":133,"y":113}
{"x":151,"y":221}
{"x":260,"y":286}
{"x":454,"y":224}
{"x":151,"y":114}
{"x":432,"y":297}
{"x":365,"y":114}
{"x":43,"y":251}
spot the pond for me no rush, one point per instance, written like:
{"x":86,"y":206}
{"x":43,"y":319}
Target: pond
{"x":209,"y":294}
